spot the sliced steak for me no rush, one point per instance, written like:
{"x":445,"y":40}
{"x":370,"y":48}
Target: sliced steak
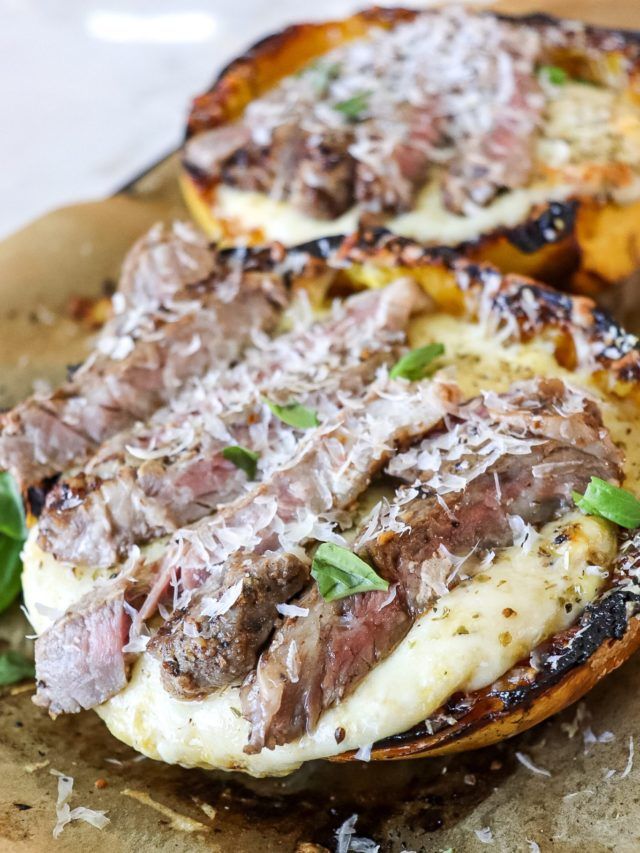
{"x":81,"y":663}
{"x":393,"y":160}
{"x":495,"y":477}
{"x":315,"y":175}
{"x":333,"y":465}
{"x":135,"y":372}
{"x":330,"y":470}
{"x":160,"y":264}
{"x":221,"y":637}
{"x":167,"y":473}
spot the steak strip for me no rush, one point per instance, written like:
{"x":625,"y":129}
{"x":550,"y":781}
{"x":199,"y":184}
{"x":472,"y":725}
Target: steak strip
{"x":169,"y":472}
{"x":141,"y":361}
{"x":418,"y":542}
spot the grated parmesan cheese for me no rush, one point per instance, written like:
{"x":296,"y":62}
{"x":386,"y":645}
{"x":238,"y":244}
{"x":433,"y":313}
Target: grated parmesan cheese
{"x":218,"y":607}
{"x":484,"y":835}
{"x":524,"y":759}
{"x":364,"y":752}
{"x":292,"y":610}
{"x":66,"y":815}
{"x":348,"y":842}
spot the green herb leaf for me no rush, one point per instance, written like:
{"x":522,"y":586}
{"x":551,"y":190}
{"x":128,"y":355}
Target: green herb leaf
{"x":353,"y":107}
{"x":13,"y":532}
{"x":339,"y":572}
{"x":295,"y":415}
{"x":610,"y":502}
{"x":14,"y":667}
{"x":243,"y":458}
{"x":12,"y":521}
{"x":10,"y":570}
{"x":554,"y":74}
{"x":413,"y":365}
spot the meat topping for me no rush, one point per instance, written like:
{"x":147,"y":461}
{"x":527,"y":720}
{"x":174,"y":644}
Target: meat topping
{"x":171,"y":471}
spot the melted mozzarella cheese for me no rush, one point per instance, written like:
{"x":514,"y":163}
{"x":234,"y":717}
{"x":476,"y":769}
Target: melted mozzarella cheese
{"x":429,"y":221}
{"x":465,"y":643}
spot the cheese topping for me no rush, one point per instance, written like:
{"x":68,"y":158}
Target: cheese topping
{"x":537,"y":579}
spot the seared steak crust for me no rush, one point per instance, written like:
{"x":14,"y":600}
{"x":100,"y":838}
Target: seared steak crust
{"x":203,"y":652}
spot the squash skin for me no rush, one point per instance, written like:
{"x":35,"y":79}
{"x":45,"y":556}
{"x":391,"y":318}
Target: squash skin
{"x":610,"y":626}
{"x":595,"y":243}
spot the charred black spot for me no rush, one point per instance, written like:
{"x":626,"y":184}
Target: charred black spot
{"x":604,"y":620}
{"x":551,"y":226}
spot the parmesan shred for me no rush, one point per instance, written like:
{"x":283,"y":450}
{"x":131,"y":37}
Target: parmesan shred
{"x":207,"y":808}
{"x":629,"y":765}
{"x":364,"y":753}
{"x":610,"y":774}
{"x":534,"y":847}
{"x":484,"y":835}
{"x":524,"y":759}
{"x":292,"y":610}
{"x":218,"y":607}
{"x":574,"y":794}
{"x":580,"y":724}
{"x":176,"y":820}
{"x":65,"y":814}
{"x":348,"y":842}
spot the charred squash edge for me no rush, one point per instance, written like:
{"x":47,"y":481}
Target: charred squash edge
{"x":567,"y":243}
{"x":608,"y":631}
{"x":606,"y":634}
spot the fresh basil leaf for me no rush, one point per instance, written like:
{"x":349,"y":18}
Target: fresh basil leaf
{"x":339,"y":572}
{"x":10,"y":570}
{"x":243,"y":458}
{"x":14,"y":667}
{"x":610,"y":502}
{"x":354,"y":107}
{"x":12,"y":521}
{"x":554,"y":74}
{"x":294,"y":415}
{"x":413,"y":365}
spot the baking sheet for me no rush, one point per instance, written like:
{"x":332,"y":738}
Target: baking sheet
{"x":588,"y":802}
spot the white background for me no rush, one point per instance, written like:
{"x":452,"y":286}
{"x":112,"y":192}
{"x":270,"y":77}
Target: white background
{"x":93,"y":92}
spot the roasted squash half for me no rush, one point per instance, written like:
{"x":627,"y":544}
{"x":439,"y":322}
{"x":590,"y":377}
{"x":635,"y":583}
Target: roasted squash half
{"x":576,"y":226}
{"x":476,"y":686}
